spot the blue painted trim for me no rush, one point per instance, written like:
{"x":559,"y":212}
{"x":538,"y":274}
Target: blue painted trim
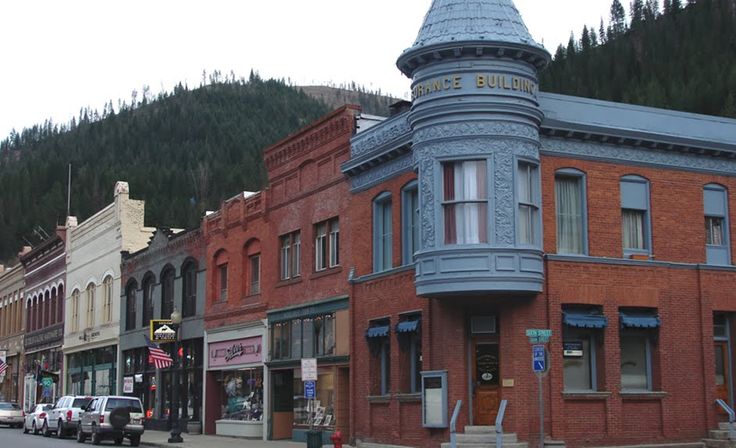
{"x":381,"y":172}
{"x":407,"y":216}
{"x":538,"y":231}
{"x":630,"y":319}
{"x":382,"y":205}
{"x":712,"y":252}
{"x":378,"y":332}
{"x":407,"y":326}
{"x":640,"y":263}
{"x":584,"y":319}
{"x":638,"y":180}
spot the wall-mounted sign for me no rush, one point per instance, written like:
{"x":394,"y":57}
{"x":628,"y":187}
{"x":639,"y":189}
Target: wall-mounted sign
{"x":128,"y":385}
{"x":538,"y":336}
{"x":309,"y":369}
{"x":162,"y":330}
{"x":239,"y":351}
{"x":434,"y":399}
{"x":310,"y":390}
{"x":539,"y":358}
{"x":572,"y":349}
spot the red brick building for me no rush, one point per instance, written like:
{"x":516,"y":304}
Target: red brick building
{"x":277,"y":290}
{"x":495,"y":209}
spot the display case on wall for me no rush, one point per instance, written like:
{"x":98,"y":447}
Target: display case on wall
{"x":434,"y":399}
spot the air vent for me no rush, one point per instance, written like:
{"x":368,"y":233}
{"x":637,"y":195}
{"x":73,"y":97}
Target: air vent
{"x":483,"y":324}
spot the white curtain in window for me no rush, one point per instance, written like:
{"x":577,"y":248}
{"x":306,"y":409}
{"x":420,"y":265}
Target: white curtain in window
{"x":470,"y":185}
{"x":569,"y":215}
{"x":633,"y":229}
{"x":714,"y":231}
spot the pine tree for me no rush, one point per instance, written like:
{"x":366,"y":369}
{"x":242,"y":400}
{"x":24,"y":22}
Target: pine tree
{"x":637,"y":12}
{"x":585,"y":42}
{"x":593,"y":38}
{"x":618,"y":19}
{"x":571,"y":50}
{"x":667,"y":6}
{"x":602,"y":32}
{"x":651,"y":10}
{"x":676,"y":6}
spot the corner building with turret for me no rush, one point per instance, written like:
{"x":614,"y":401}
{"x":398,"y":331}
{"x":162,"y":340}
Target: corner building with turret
{"x":495,"y":209}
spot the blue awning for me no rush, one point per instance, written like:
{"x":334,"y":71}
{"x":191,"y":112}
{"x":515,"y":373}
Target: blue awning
{"x":639,"y":320}
{"x":407,"y":326}
{"x":584,"y":319}
{"x":377,"y":332}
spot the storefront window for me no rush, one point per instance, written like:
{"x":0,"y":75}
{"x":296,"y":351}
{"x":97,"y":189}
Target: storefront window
{"x":308,"y":337}
{"x":242,"y":394}
{"x":322,"y":412}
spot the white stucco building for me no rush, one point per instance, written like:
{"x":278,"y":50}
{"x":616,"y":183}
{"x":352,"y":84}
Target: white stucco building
{"x":92,"y":311}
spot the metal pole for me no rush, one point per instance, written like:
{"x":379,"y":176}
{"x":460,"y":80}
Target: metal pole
{"x":175,"y":429}
{"x":541,"y":411}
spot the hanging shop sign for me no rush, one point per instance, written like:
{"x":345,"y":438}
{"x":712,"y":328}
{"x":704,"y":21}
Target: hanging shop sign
{"x":162,"y":330}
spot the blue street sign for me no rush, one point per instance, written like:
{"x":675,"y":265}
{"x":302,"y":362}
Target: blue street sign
{"x":539,"y":358}
{"x":310,"y":390}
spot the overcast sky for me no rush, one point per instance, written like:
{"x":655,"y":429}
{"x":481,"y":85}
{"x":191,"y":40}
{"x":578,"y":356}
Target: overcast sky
{"x":58,"y":56}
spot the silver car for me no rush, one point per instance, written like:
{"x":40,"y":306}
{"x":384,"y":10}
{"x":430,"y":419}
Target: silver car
{"x":112,"y":417}
{"x":63,"y":419}
{"x":11,"y":414}
{"x":34,"y":419}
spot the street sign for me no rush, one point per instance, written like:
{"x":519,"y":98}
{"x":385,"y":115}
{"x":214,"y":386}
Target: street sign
{"x":537,"y":336}
{"x":310,"y":390}
{"x":539,"y":359}
{"x":309,"y":369}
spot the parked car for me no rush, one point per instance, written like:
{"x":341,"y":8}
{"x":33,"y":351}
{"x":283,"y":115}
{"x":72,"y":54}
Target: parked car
{"x":34,"y":419}
{"x":63,"y":418}
{"x":112,"y":417}
{"x":11,"y":414}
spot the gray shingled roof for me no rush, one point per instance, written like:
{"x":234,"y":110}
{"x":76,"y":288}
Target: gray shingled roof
{"x":450,"y":21}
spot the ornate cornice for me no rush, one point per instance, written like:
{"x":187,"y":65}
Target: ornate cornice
{"x":383,"y":134}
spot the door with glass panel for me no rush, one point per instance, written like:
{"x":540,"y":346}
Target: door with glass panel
{"x":486,"y":385}
{"x":722,"y":371}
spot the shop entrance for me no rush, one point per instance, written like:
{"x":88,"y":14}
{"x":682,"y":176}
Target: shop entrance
{"x":282,"y":400}
{"x":486,"y":383}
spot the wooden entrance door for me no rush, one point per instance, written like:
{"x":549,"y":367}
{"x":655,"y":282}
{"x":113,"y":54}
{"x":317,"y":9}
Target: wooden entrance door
{"x":486,"y":382}
{"x":723,"y":372}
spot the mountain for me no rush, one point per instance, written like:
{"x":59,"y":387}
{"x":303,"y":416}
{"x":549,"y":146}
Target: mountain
{"x":183,"y":152}
{"x":683,"y":58}
{"x":374,"y":103}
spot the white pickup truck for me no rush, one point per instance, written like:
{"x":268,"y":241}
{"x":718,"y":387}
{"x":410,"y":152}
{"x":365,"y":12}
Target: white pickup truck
{"x":63,"y":419}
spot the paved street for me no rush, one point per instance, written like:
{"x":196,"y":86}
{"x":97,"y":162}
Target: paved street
{"x":14,"y":438}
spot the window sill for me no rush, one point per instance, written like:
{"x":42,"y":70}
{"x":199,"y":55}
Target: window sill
{"x":586,"y":396}
{"x":326,"y":272}
{"x":288,"y":281}
{"x":379,"y":399}
{"x":409,"y":397}
{"x":642,"y":395}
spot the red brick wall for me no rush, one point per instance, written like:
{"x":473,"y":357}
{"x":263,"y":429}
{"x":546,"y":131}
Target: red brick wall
{"x":684,"y":296}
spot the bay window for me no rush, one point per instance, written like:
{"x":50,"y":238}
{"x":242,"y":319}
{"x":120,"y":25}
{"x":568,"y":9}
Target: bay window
{"x":528,"y":197}
{"x":465,"y":202}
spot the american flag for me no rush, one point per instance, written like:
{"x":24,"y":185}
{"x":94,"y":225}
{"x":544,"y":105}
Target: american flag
{"x":3,"y":367}
{"x":157,"y":356}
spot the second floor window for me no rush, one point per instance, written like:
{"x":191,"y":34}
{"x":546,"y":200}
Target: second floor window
{"x":382,"y":233}
{"x":465,"y":202}
{"x":327,"y":244}
{"x":130,"y":307}
{"x":528,"y":196}
{"x":167,"y":293}
{"x":75,"y":310}
{"x":107,"y":300}
{"x":291,"y":252}
{"x":255,"y":273}
{"x":635,"y":226}
{"x":409,"y":222}
{"x":570,"y":208}
{"x":147,"y":301}
{"x":189,"y":290}
{"x":222,"y":283}
{"x":715,"y":204}
{"x":90,"y":305}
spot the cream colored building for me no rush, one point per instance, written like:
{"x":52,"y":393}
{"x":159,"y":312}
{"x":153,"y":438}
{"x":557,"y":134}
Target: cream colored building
{"x":12,"y":321}
{"x":92,"y":311}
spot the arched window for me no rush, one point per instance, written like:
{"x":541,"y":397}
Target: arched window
{"x":90,"y":293}
{"x":167,"y":292}
{"x":75,"y":310}
{"x":148,"y":282}
{"x":189,"y":290}
{"x":29,"y":315}
{"x":60,"y":304}
{"x":130,"y":305}
{"x":107,"y":299}
{"x":47,"y":309}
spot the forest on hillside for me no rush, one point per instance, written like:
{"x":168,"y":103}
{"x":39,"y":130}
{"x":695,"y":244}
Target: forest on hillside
{"x":183,"y":152}
{"x":681,"y":57}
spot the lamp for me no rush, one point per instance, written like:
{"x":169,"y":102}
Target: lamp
{"x":175,"y":425}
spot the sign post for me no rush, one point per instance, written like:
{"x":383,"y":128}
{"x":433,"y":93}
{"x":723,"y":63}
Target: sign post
{"x":309,"y":378}
{"x":538,"y":338}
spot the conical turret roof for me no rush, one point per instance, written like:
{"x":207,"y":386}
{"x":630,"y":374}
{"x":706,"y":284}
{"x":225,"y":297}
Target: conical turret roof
{"x":471,"y":22}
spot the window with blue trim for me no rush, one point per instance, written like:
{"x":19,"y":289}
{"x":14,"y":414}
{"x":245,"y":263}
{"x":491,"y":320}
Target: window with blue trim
{"x":379,"y":344}
{"x":409,"y":222}
{"x":528,"y":229}
{"x":582,"y":345}
{"x":635,"y":216}
{"x":570,"y":210}
{"x":715,"y":204}
{"x":637,"y":337}
{"x":382,"y":233}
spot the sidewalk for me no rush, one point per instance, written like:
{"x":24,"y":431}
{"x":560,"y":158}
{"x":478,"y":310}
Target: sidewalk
{"x":159,"y":439}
